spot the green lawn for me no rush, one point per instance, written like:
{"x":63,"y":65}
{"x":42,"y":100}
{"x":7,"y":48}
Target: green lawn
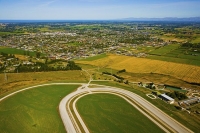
{"x":112,"y":114}
{"x":34,"y":111}
{"x":14,"y":51}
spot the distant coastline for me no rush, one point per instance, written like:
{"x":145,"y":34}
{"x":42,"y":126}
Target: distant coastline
{"x":167,"y":19}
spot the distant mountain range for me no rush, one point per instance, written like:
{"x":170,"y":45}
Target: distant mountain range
{"x":192,"y":19}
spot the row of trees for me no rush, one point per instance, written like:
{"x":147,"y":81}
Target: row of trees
{"x":42,"y":67}
{"x":116,"y":76}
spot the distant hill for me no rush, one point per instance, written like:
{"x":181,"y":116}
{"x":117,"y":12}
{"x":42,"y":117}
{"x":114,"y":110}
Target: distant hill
{"x":192,"y":19}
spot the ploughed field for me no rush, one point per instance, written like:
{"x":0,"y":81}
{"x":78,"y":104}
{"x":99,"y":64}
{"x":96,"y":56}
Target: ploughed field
{"x":184,"y":72}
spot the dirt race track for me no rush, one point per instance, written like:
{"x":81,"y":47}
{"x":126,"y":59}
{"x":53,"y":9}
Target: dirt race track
{"x":157,"y":116}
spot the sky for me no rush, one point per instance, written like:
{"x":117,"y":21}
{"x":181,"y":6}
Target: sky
{"x":96,"y":9}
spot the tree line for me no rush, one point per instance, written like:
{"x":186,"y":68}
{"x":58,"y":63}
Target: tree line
{"x":43,"y":67}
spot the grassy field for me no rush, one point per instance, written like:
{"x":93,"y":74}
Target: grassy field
{"x":184,"y":72}
{"x":112,"y":114}
{"x":176,"y":53}
{"x":175,"y":60}
{"x":172,"y":37}
{"x":197,"y":40}
{"x":14,"y":51}
{"x":21,"y":80}
{"x":192,"y":121}
{"x":165,"y":49}
{"x":34,"y":111}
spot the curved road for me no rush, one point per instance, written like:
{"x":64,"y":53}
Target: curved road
{"x":71,"y":125}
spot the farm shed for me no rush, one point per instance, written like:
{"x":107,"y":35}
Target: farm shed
{"x":190,"y":101}
{"x":166,"y":98}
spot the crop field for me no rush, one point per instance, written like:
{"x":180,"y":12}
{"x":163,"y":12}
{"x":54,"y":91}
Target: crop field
{"x":165,"y":49}
{"x":112,"y":114}
{"x":34,"y":111}
{"x":184,"y":72}
{"x":175,"y":60}
{"x":20,"y":80}
{"x":14,"y":51}
{"x":176,"y":53}
{"x":172,"y":37}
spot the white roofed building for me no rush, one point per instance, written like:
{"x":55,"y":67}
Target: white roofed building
{"x":166,"y":98}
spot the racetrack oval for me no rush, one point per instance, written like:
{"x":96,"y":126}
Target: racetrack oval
{"x":68,"y":118}
{"x":156,"y":115}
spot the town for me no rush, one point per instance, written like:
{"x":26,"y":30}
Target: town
{"x":42,"y":42}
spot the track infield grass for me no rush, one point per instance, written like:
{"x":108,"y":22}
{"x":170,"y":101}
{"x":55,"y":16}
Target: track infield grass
{"x":34,"y":110}
{"x":189,"y":120}
{"x":112,"y":114}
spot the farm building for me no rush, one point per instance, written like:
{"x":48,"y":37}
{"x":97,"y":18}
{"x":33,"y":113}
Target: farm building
{"x":190,"y":101}
{"x":166,"y":98}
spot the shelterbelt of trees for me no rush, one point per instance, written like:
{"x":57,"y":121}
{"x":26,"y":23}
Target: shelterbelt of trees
{"x":42,"y":67}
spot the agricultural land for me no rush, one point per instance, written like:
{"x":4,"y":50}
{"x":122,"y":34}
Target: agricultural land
{"x":145,"y":58}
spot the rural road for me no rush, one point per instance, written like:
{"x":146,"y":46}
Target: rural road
{"x":71,"y":125}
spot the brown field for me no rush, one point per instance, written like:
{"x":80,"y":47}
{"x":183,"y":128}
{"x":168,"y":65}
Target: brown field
{"x":17,"y":81}
{"x":184,"y":72}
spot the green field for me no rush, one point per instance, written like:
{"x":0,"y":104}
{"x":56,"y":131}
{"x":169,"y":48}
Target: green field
{"x":34,"y":111}
{"x":14,"y":51}
{"x":176,"y":53}
{"x":165,"y":49}
{"x":112,"y":114}
{"x":197,"y":40}
{"x":176,"y":60}
{"x":192,"y":121}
